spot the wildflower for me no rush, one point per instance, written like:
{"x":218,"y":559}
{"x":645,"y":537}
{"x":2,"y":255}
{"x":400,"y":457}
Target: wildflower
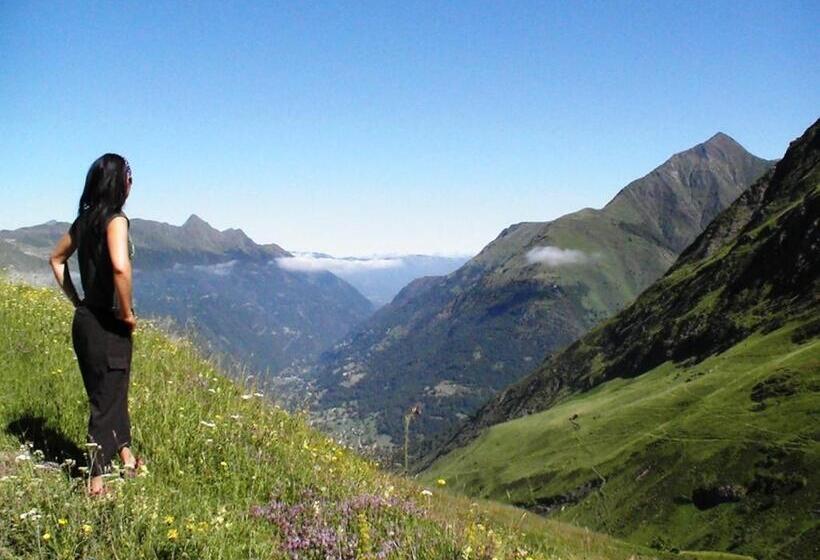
{"x":46,"y":536}
{"x":32,"y":513}
{"x":426,"y":492}
{"x":207,"y":424}
{"x":441,"y":482}
{"x":246,"y":397}
{"x":22,"y":457}
{"x":172,"y":534}
{"x":168,"y":519}
{"x":87,"y":529}
{"x":62,"y":522}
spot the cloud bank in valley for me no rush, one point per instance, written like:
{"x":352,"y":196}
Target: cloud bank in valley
{"x":311,"y":263}
{"x":556,"y":256}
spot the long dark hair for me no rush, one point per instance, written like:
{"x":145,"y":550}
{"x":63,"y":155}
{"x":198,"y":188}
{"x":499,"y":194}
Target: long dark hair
{"x":106,"y":188}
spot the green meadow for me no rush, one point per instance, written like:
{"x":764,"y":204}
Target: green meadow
{"x":721,"y":455}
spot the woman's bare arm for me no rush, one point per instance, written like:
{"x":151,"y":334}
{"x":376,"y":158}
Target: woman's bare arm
{"x":117,"y":236}
{"x":59,"y":265}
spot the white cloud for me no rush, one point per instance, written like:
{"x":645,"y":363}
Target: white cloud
{"x":310,"y":263}
{"x":220,"y":269}
{"x":556,"y":256}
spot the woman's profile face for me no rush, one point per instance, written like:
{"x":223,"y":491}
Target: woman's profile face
{"x":128,"y":181}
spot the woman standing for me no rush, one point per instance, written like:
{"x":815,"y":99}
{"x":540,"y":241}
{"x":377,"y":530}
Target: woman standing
{"x":104,"y":319}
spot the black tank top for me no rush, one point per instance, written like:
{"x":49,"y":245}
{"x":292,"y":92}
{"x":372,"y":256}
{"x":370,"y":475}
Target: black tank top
{"x":94,"y":259}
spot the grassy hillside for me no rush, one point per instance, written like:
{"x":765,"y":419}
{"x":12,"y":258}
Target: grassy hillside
{"x":229,"y":475}
{"x":646,"y":458}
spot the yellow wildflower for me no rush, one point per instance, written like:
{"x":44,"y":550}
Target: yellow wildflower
{"x":46,"y":536}
{"x":62,"y":522}
{"x":168,"y":519}
{"x":172,"y":534}
{"x":441,"y":482}
{"x":87,"y":529}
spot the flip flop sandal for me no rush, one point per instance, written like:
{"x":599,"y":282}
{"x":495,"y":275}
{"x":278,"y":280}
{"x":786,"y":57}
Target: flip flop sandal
{"x":129,"y":471}
{"x":105,"y":491}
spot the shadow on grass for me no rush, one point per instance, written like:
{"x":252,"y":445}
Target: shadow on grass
{"x":54,"y":444}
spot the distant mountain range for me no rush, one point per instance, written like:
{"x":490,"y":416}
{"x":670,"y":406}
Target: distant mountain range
{"x":451,"y":342}
{"x":260,"y":304}
{"x":378,"y":278}
{"x":219,"y":285}
{"x":689,"y":420}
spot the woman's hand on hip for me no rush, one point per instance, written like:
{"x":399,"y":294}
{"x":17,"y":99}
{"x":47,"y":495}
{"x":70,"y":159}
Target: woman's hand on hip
{"x":131,"y":321}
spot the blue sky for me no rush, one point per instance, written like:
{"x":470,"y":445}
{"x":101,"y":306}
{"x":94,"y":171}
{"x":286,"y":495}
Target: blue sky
{"x":376,"y":127}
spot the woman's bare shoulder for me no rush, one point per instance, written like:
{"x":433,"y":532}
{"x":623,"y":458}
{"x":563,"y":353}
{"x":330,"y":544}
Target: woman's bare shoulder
{"x":118,"y":216}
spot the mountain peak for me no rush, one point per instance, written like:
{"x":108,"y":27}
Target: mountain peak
{"x":719,"y":137}
{"x":668,"y":204}
{"x":195,"y":221}
{"x":723,"y":141}
{"x":720,"y":146}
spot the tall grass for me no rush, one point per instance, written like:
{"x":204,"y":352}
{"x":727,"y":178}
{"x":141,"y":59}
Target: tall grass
{"x":229,"y":474}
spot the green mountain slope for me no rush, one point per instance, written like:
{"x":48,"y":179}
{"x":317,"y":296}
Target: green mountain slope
{"x":230,"y":476}
{"x":13,"y":259}
{"x":690,"y":418}
{"x":452,"y":342}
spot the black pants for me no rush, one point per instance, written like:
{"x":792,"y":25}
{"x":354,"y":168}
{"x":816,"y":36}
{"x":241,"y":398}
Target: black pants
{"x":103,"y":346}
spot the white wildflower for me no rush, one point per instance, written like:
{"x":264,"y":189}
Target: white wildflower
{"x":32,"y":514}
